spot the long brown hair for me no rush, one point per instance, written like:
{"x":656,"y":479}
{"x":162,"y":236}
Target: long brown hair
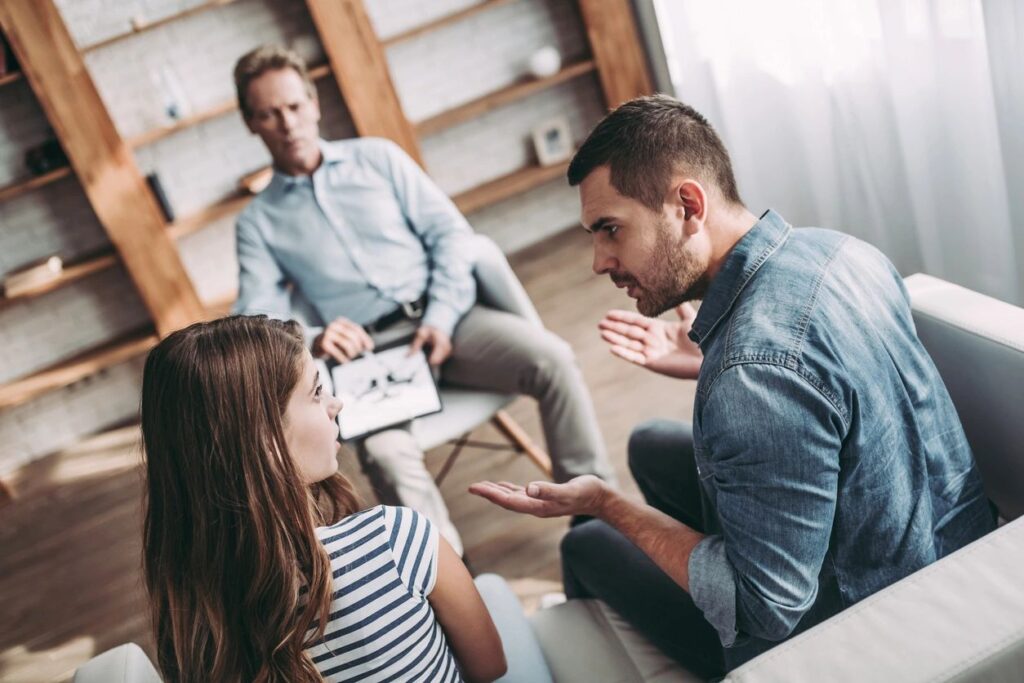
{"x":239,"y":584}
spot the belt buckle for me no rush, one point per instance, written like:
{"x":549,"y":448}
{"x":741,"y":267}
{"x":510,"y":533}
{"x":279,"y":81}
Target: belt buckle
{"x":413,"y":309}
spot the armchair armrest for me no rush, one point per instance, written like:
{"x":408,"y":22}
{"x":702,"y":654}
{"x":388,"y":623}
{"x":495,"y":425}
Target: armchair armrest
{"x":959,"y":619}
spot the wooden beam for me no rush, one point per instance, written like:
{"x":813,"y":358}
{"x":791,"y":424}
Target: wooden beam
{"x":441,"y":22}
{"x":507,"y":186}
{"x":101,"y":159}
{"x":617,"y":49}
{"x":502,"y":96}
{"x":360,"y":67}
{"x":74,"y":369}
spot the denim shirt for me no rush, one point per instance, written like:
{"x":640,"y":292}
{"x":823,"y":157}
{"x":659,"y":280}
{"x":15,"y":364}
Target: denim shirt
{"x":365,"y":233}
{"x":832,"y":461}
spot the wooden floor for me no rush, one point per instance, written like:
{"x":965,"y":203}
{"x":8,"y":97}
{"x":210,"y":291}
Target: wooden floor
{"x":69,"y":545}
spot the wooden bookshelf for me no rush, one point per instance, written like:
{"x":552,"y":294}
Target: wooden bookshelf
{"x":503,"y":96}
{"x":442,"y":21}
{"x":216,"y":111}
{"x":22,"y":186}
{"x":74,"y":369}
{"x":200,"y":219}
{"x":507,"y":186}
{"x":11,"y":77}
{"x":71,"y":273}
{"x":142,"y":27}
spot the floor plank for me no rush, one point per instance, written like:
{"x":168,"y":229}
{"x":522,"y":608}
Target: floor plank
{"x":70,"y":580}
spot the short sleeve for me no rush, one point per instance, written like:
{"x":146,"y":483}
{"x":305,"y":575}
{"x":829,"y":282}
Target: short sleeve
{"x":413,"y":541}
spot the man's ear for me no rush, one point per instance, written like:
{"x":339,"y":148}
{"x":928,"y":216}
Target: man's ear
{"x":692,"y":201}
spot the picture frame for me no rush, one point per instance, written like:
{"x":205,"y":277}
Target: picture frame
{"x":552,"y":140}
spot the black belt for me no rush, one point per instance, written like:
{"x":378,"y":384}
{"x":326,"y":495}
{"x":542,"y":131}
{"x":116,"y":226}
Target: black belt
{"x":412,"y":310}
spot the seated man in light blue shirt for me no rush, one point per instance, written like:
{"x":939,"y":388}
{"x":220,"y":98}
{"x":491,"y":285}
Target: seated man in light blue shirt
{"x":376,"y":248}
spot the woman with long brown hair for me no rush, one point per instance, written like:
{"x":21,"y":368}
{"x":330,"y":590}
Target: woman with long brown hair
{"x":258,"y":565}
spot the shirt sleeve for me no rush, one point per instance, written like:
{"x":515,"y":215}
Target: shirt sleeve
{"x":262,"y":285}
{"x":445,"y":235}
{"x":413,"y":541}
{"x":772,"y":441}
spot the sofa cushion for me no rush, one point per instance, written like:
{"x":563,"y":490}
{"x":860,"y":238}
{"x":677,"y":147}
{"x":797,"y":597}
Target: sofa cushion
{"x":585,"y":640}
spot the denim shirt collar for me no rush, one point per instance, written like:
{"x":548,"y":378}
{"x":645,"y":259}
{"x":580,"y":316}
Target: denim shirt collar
{"x":332,"y":154}
{"x":743,"y":261}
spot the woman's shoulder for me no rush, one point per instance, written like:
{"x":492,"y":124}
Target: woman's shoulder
{"x":397,"y":523}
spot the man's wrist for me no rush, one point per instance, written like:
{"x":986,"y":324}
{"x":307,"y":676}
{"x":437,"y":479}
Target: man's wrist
{"x":608,"y":502}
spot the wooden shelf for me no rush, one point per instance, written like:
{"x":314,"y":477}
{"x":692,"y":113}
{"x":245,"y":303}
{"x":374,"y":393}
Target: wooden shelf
{"x":149,"y":25}
{"x":442,"y":21}
{"x":505,"y":95}
{"x":216,"y":111}
{"x":507,"y":186}
{"x":70,"y":273}
{"x":70,"y":371}
{"x":21,"y":187}
{"x":203,"y":217}
{"x":12,"y":77}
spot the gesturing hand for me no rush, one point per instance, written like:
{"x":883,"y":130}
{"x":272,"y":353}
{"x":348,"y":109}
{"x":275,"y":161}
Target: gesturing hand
{"x":437,"y":341}
{"x":658,"y":345}
{"x":583,"y":495}
{"x":342,"y":340}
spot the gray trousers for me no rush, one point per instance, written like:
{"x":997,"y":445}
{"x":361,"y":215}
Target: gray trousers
{"x":502,"y":352}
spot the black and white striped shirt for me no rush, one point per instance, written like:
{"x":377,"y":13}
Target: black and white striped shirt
{"x":381,"y":626}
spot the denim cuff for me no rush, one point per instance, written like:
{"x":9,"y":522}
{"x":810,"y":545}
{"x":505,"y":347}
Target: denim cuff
{"x":713,"y":588}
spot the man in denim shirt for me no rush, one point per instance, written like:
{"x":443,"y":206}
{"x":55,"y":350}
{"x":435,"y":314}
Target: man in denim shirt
{"x":826,"y":460}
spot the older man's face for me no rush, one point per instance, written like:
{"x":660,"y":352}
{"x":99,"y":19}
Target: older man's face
{"x":286,"y":117}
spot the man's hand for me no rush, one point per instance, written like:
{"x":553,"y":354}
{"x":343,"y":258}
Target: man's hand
{"x":658,"y":345}
{"x":584,"y":495}
{"x":342,"y":340}
{"x":437,"y":341}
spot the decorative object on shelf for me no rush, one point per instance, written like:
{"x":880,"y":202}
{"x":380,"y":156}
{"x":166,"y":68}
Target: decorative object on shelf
{"x":46,"y":157}
{"x":157,"y":188}
{"x":545,"y":62}
{"x":553,"y":141}
{"x":257,"y":181}
{"x":32,"y":276}
{"x":176,"y":105}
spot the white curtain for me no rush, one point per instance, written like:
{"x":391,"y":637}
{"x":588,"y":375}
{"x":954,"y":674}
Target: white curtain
{"x":898,"y":121}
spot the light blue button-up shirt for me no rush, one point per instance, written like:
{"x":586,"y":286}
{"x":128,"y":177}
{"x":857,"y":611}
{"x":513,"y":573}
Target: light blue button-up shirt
{"x":367,"y":231}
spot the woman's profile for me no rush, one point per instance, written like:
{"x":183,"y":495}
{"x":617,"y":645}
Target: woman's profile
{"x":259,"y":564}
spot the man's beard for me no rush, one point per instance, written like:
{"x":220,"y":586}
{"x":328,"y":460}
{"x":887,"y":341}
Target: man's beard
{"x":674,"y":276}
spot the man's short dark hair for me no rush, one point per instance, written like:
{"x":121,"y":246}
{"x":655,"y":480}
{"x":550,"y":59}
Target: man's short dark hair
{"x":647,"y":140}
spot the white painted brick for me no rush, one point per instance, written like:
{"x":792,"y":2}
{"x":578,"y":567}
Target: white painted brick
{"x":38,"y":332}
{"x":59,"y":419}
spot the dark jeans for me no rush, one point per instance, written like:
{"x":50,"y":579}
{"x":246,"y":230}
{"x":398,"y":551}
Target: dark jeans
{"x":599,"y":562}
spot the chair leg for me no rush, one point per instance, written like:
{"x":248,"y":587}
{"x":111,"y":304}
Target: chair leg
{"x":518,"y":436}
{"x":450,"y":460}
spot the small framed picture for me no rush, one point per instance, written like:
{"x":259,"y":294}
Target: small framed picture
{"x":553,"y":141}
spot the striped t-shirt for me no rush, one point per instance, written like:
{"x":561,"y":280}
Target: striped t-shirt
{"x":381,"y":626}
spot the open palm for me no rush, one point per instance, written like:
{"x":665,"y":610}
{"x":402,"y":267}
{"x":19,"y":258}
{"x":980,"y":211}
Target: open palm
{"x":659,"y":345}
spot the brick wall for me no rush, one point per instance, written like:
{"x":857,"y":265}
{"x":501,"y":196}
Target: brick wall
{"x":202,"y":164}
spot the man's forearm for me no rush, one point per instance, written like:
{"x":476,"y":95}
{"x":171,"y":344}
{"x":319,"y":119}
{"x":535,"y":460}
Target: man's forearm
{"x":665,"y":540}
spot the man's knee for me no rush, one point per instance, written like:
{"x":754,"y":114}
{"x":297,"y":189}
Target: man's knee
{"x":391,"y":450}
{"x":654,"y":442}
{"x":551,"y":358}
{"x":585,"y":543}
